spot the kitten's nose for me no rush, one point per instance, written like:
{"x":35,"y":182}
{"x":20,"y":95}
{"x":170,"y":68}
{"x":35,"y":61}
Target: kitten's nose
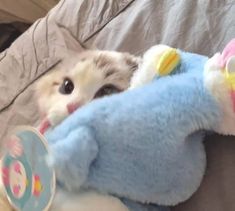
{"x":72,"y":107}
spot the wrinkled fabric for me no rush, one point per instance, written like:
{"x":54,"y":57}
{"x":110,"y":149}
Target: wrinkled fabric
{"x":198,"y":26}
{"x":24,"y":10}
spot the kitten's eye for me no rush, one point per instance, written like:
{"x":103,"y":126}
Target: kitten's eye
{"x":67,"y":87}
{"x":107,"y":90}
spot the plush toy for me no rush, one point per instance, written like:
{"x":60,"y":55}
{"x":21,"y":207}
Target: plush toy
{"x":145,"y":145}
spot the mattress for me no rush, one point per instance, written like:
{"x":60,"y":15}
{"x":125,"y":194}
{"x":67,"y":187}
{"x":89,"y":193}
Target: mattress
{"x":200,"y":26}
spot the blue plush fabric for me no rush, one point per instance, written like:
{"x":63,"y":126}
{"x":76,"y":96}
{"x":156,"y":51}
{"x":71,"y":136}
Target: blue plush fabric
{"x":144,"y":145}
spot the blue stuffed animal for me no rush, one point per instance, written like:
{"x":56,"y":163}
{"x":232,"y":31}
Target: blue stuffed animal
{"x":145,"y":145}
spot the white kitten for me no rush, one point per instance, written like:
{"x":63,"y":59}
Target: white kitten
{"x":96,"y":74}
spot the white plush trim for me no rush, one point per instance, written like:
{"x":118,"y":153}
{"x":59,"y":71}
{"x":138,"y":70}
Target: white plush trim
{"x":147,"y":70}
{"x":86,"y":201}
{"x":216,"y":83}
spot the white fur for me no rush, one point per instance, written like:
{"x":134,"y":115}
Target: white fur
{"x":86,"y":201}
{"x":147,"y":70}
{"x":215,"y":81}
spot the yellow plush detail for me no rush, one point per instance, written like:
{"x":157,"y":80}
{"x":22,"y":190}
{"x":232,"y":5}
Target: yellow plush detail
{"x":168,"y":62}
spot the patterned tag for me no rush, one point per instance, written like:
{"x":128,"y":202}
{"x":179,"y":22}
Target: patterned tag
{"x":29,"y":182}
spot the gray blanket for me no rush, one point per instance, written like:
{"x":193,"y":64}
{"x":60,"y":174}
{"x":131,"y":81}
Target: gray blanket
{"x":200,"y":26}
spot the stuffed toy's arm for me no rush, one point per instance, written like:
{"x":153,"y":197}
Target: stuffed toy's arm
{"x":73,"y":155}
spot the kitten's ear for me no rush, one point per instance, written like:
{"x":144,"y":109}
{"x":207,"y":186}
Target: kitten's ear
{"x":132,"y":61}
{"x":88,"y":55}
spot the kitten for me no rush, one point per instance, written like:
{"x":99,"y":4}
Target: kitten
{"x":96,"y":74}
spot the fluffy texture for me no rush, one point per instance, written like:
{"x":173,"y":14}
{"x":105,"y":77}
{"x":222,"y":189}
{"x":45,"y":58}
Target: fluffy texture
{"x":145,"y":144}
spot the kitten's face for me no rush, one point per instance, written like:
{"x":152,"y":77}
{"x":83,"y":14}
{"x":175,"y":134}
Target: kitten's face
{"x":97,"y":74}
